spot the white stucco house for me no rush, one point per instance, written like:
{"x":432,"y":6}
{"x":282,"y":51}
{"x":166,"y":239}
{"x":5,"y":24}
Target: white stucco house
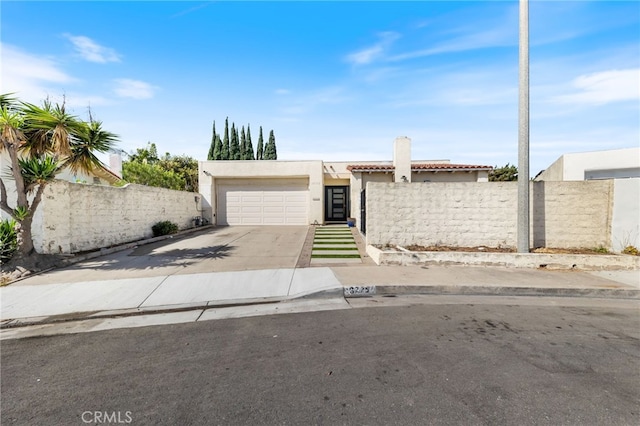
{"x":620,"y":165}
{"x":607,"y":164}
{"x":312,"y":192}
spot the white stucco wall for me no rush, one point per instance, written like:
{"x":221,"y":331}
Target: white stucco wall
{"x":603,"y":164}
{"x":625,"y":226}
{"x":75,"y":217}
{"x":564,"y":214}
{"x":555,"y":172}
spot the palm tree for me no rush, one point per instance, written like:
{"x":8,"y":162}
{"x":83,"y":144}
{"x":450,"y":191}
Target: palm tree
{"x":41,"y":141}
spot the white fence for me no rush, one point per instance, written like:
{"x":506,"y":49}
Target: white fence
{"x":75,"y":217}
{"x":579,"y":214}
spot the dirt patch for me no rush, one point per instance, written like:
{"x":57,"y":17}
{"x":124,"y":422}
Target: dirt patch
{"x":548,"y":250}
{"x":21,"y":267}
{"x":479,"y":249}
{"x":485,"y":249}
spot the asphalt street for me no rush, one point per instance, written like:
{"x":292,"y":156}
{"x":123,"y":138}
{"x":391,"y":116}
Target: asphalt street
{"x":548,"y":361}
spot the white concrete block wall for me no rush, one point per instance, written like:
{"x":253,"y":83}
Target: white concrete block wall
{"x":573,"y":214}
{"x":454,"y":214}
{"x":76,"y":217}
{"x":564,"y":214}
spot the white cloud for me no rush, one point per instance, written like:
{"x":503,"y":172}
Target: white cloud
{"x":604,"y":87}
{"x":28,"y":75}
{"x":495,"y":37}
{"x":91,"y":51}
{"x":134,"y":89}
{"x":472,"y":29}
{"x":282,"y":91}
{"x":374,"y":52}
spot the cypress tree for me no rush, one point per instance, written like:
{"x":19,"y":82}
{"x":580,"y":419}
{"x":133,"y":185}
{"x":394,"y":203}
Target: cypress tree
{"x":234,"y":146}
{"x":249,"y":148}
{"x":270,"y":152}
{"x":275,"y":150}
{"x":243,"y":145}
{"x":217,"y":151}
{"x":239,"y":153}
{"x":225,"y":141}
{"x":211,"y":155}
{"x":260,"y":149}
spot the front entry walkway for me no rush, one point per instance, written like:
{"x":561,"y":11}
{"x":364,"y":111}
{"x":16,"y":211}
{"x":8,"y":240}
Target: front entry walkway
{"x":334,"y":244}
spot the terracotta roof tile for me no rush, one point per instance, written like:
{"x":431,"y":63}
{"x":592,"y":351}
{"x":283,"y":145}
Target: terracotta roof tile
{"x":417,"y":167}
{"x":373,"y":167}
{"x":449,"y":167}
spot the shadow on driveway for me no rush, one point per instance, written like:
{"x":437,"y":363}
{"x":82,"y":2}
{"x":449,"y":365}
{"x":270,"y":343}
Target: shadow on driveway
{"x":233,"y":248}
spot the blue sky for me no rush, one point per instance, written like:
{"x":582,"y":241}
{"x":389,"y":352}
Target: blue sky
{"x":336,"y":80}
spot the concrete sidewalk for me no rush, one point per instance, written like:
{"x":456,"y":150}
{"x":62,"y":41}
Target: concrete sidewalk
{"x":242,"y":271}
{"x":49,"y":302}
{"x":42,"y":303}
{"x":486,"y":280}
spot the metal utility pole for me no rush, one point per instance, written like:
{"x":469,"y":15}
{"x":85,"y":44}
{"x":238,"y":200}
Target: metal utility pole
{"x":523,"y":131}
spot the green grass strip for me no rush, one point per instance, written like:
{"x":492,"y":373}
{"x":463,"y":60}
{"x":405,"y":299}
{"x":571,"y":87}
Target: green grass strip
{"x":350,"y":243}
{"x":336,"y":248}
{"x":326,"y":234}
{"x":335,"y":237}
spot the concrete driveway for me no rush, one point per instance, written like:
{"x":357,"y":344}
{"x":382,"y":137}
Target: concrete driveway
{"x":220,"y":249}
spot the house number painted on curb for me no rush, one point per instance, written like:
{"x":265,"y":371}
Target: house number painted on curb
{"x":356,"y":290}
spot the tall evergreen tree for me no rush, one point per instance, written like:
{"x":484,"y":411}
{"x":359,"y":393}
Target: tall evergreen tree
{"x":239,"y":153}
{"x":217,"y":150}
{"x":211,"y":155}
{"x":249,"y":147}
{"x":243,"y":145}
{"x":272,"y":137}
{"x":234,"y":145}
{"x":225,"y":141}
{"x":270,"y":152}
{"x":260,"y":149}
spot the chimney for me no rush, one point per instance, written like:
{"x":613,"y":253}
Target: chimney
{"x":115,"y":163}
{"x":402,"y":159}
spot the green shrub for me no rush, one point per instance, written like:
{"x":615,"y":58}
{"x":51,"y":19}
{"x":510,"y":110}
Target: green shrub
{"x":8,"y":239}
{"x":632,"y":250}
{"x":164,"y":228}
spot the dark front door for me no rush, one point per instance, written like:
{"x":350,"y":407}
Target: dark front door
{"x":336,"y":203}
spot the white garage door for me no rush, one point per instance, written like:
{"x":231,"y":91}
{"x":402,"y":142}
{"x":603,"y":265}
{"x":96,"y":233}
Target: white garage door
{"x":263,"y":203}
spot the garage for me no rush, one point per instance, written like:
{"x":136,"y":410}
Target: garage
{"x":263,"y":202}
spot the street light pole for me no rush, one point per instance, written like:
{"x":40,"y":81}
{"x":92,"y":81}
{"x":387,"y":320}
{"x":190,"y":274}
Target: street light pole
{"x":523,"y":130}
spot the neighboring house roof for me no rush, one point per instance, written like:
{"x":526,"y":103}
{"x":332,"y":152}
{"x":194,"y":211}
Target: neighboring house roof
{"x":106,"y":174}
{"x":434,"y":167}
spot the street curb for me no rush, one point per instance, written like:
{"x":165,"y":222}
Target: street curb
{"x":471,"y":290}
